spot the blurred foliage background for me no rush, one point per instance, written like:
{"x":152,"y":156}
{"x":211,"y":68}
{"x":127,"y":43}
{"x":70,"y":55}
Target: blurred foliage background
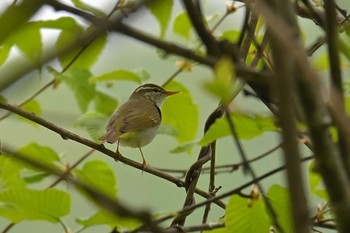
{"x":82,"y":78}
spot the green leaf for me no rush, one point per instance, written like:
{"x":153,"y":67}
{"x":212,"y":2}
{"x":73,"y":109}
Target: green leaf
{"x":78,"y":81}
{"x":86,"y":7}
{"x":64,"y":41}
{"x":98,"y":175}
{"x":182,"y":25}
{"x":315,"y":182}
{"x":94,"y":123}
{"x":280,"y":201}
{"x":186,"y":148}
{"x":32,"y":106}
{"x":28,"y":41}
{"x":58,"y":76}
{"x":344,"y":48}
{"x":4,"y":53}
{"x":40,"y":153}
{"x":17,"y":15}
{"x":321,"y":62}
{"x":104,"y":218}
{"x":63,"y":23}
{"x":218,"y":230}
{"x":30,"y":176}
{"x":347,"y":99}
{"x":89,"y":55}
{"x":117,"y":75}
{"x":231,"y":35}
{"x":10,"y":173}
{"x":25,"y":204}
{"x":244,"y":218}
{"x":184,"y":121}
{"x":45,"y":155}
{"x":161,"y":10}
{"x":247,"y":127}
{"x":105,"y":104}
{"x":225,"y":77}
{"x":3,"y":99}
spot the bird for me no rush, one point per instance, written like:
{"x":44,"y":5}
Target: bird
{"x":136,"y":122}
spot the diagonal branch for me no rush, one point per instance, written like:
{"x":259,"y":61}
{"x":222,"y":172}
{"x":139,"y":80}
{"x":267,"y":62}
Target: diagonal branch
{"x":65,"y":134}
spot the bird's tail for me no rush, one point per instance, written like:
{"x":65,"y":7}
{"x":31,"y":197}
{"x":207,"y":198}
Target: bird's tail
{"x":110,"y":137}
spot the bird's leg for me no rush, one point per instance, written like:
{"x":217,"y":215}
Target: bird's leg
{"x":117,"y":153}
{"x":144,"y":163}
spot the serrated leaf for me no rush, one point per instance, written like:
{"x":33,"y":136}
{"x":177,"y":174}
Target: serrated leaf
{"x":104,"y":218}
{"x":25,"y":204}
{"x":98,"y":175}
{"x":78,"y":81}
{"x":182,"y":25}
{"x":94,"y":123}
{"x":244,"y":219}
{"x":105,"y":104}
{"x":280,"y":201}
{"x":247,"y":127}
{"x":86,"y":7}
{"x":161,"y":10}
{"x":117,"y":75}
{"x":223,"y":84}
{"x":186,"y":124}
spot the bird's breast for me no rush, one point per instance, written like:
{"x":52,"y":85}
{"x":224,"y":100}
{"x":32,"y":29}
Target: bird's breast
{"x":139,"y":138}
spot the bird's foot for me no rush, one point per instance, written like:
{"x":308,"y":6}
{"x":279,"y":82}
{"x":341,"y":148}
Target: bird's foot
{"x":143,"y":166}
{"x":117,"y":156}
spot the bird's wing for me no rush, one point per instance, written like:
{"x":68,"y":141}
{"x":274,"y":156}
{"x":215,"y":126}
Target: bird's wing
{"x":146,"y":115}
{"x":126,"y":119}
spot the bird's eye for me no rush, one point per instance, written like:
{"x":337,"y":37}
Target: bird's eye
{"x":156,"y":90}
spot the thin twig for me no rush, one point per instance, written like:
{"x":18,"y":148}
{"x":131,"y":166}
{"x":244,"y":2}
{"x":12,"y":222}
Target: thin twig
{"x":247,"y":168}
{"x":230,"y":192}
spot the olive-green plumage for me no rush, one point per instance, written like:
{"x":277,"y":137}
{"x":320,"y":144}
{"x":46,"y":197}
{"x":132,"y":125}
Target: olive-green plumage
{"x":136,"y":122}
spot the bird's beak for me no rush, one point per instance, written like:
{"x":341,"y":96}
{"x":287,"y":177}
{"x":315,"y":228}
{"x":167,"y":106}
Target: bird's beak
{"x":168,"y":93}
